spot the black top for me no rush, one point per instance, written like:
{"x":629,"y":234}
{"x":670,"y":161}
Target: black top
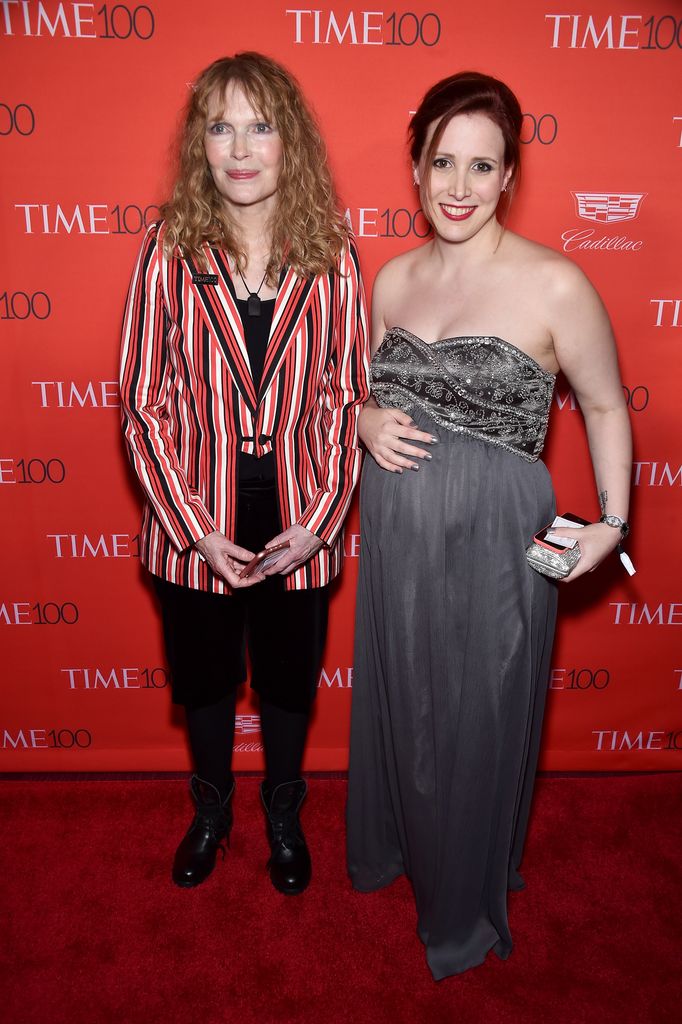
{"x":256,"y":334}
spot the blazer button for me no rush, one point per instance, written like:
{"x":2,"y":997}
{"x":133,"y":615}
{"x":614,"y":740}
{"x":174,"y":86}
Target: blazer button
{"x":263,"y":438}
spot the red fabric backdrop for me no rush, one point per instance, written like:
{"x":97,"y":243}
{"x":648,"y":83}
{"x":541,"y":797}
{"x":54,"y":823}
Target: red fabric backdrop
{"x":89,"y":101}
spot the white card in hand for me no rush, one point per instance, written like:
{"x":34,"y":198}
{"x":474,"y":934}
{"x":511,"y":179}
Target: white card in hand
{"x":563,"y":542}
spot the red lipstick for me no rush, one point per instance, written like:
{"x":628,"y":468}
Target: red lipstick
{"x":463,"y":212}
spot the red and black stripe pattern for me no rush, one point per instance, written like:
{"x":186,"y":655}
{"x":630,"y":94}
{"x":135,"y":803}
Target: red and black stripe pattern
{"x":189,"y":405}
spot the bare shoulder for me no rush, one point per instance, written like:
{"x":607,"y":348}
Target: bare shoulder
{"x":390,"y":284}
{"x":396,"y":274}
{"x":555,"y":276}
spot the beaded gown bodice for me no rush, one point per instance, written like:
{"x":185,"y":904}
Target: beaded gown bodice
{"x":481,"y":386}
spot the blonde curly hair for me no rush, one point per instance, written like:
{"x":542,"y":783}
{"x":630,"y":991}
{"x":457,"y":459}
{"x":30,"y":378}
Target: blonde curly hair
{"x":308,"y":230}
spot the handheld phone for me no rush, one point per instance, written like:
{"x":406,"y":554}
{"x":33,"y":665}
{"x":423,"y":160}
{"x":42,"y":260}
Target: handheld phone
{"x":263,"y":559}
{"x":572,"y":520}
{"x":546,"y":538}
{"x":541,"y":538}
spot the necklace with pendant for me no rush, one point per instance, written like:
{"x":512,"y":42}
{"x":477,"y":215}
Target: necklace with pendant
{"x":253,"y":302}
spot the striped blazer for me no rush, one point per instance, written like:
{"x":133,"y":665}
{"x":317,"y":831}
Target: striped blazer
{"x":189,"y":406}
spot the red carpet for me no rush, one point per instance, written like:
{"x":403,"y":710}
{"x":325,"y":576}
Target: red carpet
{"x":95,"y":931}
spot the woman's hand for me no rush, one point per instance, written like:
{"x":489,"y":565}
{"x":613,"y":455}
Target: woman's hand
{"x":596,"y":542}
{"x":227,"y":559}
{"x":384,"y":433}
{"x":302,"y":545}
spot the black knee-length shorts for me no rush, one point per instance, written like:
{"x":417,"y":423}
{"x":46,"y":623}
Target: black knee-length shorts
{"x":207,"y":635}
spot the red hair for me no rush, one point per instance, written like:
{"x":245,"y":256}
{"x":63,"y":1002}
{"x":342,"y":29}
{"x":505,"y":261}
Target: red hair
{"x":468,"y":92}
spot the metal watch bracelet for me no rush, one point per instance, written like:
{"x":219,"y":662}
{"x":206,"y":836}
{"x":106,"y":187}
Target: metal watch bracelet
{"x":617,"y":523}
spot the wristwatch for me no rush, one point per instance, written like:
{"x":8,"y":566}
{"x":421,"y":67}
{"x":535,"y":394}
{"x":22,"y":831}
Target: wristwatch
{"x":617,"y":523}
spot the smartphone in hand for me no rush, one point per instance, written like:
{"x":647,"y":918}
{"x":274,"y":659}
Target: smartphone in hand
{"x":548,"y":534}
{"x":264,"y":559}
{"x":541,"y":538}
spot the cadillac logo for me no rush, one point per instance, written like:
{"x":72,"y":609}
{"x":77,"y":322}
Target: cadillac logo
{"x":608,"y":207}
{"x":246,"y":724}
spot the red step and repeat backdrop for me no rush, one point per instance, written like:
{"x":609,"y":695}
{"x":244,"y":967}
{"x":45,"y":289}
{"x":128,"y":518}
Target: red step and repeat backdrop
{"x":90,"y":99}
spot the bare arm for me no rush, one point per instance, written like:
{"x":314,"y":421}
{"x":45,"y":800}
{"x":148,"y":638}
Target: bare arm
{"x":384,"y":432}
{"x":586,"y":352}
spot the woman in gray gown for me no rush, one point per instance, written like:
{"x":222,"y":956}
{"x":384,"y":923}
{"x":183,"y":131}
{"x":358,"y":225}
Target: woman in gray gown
{"x":454,"y":629}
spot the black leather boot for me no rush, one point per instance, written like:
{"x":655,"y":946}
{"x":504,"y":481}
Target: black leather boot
{"x":196,"y":855}
{"x":289,"y":864}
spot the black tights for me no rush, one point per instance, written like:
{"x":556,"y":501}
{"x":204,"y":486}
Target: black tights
{"x":284,"y":735}
{"x":211,"y":738}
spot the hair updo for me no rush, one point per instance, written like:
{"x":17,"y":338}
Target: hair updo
{"x":468,"y":92}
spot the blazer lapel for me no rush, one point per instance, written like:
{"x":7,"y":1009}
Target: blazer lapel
{"x":214,"y":292}
{"x":293,"y":297}
{"x":218,"y":304}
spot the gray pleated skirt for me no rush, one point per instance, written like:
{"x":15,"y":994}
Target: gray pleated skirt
{"x":453,"y":641}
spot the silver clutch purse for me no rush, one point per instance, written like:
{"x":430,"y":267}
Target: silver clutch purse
{"x":552,"y":563}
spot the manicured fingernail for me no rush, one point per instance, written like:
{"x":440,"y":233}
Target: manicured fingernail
{"x":434,"y":440}
{"x":428,"y":456}
{"x":415,"y":468}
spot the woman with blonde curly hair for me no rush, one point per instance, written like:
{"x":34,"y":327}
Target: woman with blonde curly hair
{"x":244,"y":369}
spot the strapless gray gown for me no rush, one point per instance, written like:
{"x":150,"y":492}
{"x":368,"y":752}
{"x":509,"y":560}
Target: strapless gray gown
{"x":453,"y":640}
